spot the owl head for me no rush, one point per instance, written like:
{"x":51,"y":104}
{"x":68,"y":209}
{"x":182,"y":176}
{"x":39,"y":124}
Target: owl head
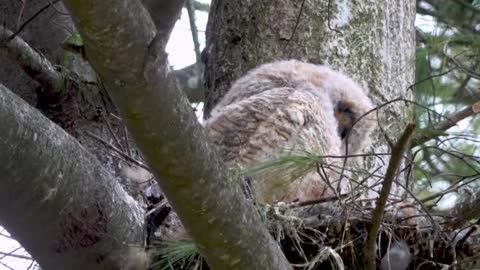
{"x":353,"y":109}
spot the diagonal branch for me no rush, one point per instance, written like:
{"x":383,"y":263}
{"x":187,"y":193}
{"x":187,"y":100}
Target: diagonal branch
{"x":33,"y":63}
{"x":120,"y":43}
{"x":444,"y":125}
{"x":377,"y":214}
{"x":193,"y":28}
{"x":57,"y":200}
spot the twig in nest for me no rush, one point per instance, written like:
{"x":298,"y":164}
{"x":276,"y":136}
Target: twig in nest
{"x":125,"y":134}
{"x":127,"y":144}
{"x":317,"y":201}
{"x":110,"y":129}
{"x":120,"y":152}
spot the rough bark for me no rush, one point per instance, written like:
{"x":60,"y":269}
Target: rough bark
{"x":371,"y":41}
{"x":32,"y":62}
{"x":120,"y":44}
{"x":57,"y":200}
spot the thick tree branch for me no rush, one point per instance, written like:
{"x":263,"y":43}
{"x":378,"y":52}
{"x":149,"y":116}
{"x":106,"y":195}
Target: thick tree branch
{"x":377,"y":214}
{"x":120,"y":43}
{"x":33,"y":63}
{"x":56,"y":198}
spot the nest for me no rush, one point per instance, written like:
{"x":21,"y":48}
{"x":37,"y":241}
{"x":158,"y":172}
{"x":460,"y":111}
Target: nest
{"x":327,"y":235}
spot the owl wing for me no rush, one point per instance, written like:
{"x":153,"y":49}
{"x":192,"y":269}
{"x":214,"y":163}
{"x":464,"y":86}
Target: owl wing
{"x":263,"y":126}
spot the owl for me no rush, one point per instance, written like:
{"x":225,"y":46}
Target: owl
{"x":291,"y":106}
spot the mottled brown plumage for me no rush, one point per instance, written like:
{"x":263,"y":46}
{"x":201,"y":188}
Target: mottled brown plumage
{"x":288,"y":106}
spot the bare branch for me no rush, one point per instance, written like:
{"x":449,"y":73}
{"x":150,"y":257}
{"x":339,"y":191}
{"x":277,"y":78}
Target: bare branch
{"x":193,"y":28}
{"x":13,"y":255}
{"x":33,"y":63}
{"x":377,"y":214}
{"x":444,"y":125}
{"x":32,"y":18}
{"x":120,"y":152}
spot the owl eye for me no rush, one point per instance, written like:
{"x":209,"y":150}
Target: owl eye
{"x":342,"y":108}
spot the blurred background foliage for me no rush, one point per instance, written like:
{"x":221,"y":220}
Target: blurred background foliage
{"x":447,"y":81}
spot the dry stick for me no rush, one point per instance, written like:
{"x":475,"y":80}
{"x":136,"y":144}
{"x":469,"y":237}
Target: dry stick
{"x":377,"y":214}
{"x":452,"y":188}
{"x":328,"y":19}
{"x":110,"y":129}
{"x":190,"y":5}
{"x":125,"y":135}
{"x":127,"y":143}
{"x":435,"y":225}
{"x":446,"y":124}
{"x":193,"y":27}
{"x":467,"y":71}
{"x":20,"y":13}
{"x":11,"y":252}
{"x":29,"y":20}
{"x":120,"y":152}
{"x":17,"y":256}
{"x":323,"y":174}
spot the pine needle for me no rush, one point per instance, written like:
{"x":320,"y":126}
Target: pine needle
{"x":286,"y":169}
{"x":169,"y":255}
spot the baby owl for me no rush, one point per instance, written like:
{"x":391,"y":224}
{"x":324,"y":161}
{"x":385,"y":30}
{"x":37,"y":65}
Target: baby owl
{"x":291,"y":105}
